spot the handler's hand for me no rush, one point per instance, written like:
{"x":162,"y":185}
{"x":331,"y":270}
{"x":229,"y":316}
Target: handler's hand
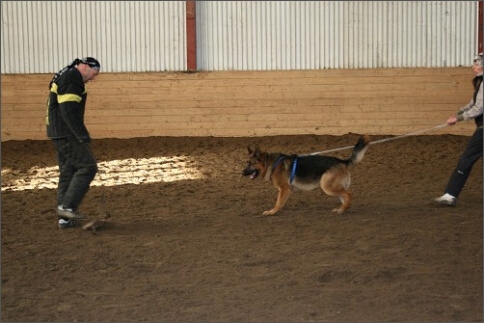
{"x":452,"y":120}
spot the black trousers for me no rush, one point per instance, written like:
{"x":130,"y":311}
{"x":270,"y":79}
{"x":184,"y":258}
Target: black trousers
{"x":77,"y":169}
{"x":468,"y":158}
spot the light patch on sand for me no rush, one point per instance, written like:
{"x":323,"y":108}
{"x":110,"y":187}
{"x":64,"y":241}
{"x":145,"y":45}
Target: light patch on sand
{"x":111,"y":173}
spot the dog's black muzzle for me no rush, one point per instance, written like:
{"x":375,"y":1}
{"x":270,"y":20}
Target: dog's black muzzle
{"x":249,"y":171}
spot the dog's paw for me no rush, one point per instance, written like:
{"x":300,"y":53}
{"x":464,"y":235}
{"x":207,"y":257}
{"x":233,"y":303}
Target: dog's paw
{"x":270,"y":212}
{"x":338,"y":210}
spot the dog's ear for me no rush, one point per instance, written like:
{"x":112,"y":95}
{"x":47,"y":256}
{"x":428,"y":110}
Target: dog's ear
{"x":251,"y":150}
{"x":255,"y":152}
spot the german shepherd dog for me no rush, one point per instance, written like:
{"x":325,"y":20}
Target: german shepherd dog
{"x":306,"y":173}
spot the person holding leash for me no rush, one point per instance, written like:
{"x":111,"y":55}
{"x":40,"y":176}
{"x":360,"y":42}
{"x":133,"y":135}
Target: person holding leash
{"x":473,"y":151}
{"x":65,"y":127}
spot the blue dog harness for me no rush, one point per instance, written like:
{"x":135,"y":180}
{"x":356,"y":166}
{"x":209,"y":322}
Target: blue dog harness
{"x":293,"y":171}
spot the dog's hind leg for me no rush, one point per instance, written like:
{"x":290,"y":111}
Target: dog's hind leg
{"x":336,"y":183}
{"x":345,"y":198}
{"x":282,"y":197}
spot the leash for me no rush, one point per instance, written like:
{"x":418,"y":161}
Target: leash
{"x":382,"y":140}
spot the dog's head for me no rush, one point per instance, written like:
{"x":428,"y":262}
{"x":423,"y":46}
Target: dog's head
{"x":256,"y":164}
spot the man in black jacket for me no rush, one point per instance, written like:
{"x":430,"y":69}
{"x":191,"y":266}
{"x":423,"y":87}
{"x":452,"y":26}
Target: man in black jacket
{"x":473,"y":151}
{"x":66,"y":128}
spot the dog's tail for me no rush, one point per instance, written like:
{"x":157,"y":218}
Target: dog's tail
{"x":359,"y":150}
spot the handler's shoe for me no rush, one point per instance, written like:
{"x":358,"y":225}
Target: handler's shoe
{"x":64,"y":224}
{"x":446,"y":199}
{"x":68,"y":214}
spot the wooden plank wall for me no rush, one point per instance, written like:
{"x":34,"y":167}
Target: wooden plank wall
{"x":255,"y":103}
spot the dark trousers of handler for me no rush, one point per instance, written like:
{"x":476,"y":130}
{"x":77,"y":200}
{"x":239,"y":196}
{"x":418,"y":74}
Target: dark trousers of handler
{"x":77,"y":168}
{"x":468,"y":158}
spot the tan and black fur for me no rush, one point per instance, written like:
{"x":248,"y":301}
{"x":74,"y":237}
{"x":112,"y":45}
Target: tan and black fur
{"x":307,"y":172}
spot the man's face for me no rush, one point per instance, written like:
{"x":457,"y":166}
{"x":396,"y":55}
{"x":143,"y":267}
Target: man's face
{"x":88,"y":73}
{"x":477,"y":64}
{"x":477,"y":69}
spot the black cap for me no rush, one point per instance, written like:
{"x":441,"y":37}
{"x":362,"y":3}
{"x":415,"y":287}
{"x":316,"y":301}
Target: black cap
{"x":91,"y":61}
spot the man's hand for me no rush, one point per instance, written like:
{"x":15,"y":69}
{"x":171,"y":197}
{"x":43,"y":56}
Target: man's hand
{"x":452,"y":120}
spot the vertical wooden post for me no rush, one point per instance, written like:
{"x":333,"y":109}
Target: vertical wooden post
{"x":480,"y":27}
{"x":191,"y":36}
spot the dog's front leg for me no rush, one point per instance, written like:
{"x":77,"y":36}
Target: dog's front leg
{"x":282,"y":197}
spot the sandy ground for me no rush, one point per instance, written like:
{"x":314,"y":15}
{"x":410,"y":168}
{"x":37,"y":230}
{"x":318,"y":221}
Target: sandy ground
{"x":187,"y":240}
